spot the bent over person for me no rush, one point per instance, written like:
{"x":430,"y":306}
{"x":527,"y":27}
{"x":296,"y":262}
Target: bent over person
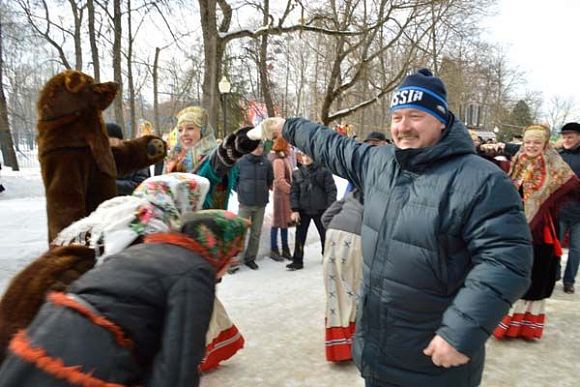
{"x":140,"y":318}
{"x":446,"y":246}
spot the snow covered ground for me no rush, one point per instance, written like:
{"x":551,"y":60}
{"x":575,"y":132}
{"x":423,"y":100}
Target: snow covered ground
{"x":281,"y":314}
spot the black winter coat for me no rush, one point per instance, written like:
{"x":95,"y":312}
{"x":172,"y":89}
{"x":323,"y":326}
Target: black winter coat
{"x":254,"y":180}
{"x":570,"y":210}
{"x":127,"y":184}
{"x":446,"y":250}
{"x":162,"y":298}
{"x":313,"y":189}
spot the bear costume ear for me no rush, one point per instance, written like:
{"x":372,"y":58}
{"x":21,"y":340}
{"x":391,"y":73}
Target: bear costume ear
{"x":104,"y":94}
{"x":74,"y":81}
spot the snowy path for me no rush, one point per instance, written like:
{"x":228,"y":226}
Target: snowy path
{"x":281,"y":316}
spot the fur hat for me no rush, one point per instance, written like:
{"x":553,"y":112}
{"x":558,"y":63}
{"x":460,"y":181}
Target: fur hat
{"x":280,"y":145}
{"x":220,"y":233}
{"x":422,"y":91}
{"x":571,"y":127}
{"x":193,"y":115}
{"x":114,"y":130}
{"x":376,"y":136}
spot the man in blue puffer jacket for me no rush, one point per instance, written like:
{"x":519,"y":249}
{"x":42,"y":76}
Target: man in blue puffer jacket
{"x":445,"y":242}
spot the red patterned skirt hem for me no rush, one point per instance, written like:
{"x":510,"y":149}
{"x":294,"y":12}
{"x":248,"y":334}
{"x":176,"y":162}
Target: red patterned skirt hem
{"x":524,"y":325}
{"x":338,"y":343}
{"x":222,"y":348}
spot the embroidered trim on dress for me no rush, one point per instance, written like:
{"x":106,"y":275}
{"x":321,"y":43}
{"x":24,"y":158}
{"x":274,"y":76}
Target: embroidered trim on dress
{"x":23,"y":348}
{"x":61,"y":299}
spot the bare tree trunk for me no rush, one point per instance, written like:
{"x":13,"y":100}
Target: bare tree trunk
{"x":93,"y":41}
{"x":434,"y":50}
{"x":214,"y":48}
{"x":78,"y":18}
{"x":156,"y":91}
{"x":213,"y":51}
{"x":6,"y":144}
{"x":132,"y":118}
{"x":263,"y":65}
{"x":117,"y":75}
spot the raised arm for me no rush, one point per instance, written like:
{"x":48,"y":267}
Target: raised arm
{"x":343,"y":156}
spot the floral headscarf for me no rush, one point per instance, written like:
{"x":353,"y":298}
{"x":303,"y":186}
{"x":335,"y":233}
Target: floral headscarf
{"x":155,"y":206}
{"x":216,"y":235}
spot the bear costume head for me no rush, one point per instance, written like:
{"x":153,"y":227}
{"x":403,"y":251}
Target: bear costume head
{"x":72,"y":92}
{"x":69,"y":112}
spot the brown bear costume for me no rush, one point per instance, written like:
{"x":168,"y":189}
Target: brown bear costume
{"x":54,"y":270}
{"x":78,"y":165}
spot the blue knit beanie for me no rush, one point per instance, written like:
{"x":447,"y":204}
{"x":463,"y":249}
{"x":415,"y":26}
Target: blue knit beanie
{"x":422,"y":91}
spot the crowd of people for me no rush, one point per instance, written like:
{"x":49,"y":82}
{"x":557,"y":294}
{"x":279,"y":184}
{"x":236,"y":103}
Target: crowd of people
{"x":440,"y":242}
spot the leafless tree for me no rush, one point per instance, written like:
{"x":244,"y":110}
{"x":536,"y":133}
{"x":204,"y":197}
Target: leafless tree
{"x":6,"y":143}
{"x":57,"y":32}
{"x":559,"y":111}
{"x":93,"y":41}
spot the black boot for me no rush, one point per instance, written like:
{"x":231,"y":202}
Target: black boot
{"x":295,"y":266}
{"x":275,"y":255}
{"x":251,"y":264}
{"x":286,"y":253}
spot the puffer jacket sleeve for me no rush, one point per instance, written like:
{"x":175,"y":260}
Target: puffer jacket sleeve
{"x":331,"y":212}
{"x":499,"y":242}
{"x":189,"y":309}
{"x":344,"y":157}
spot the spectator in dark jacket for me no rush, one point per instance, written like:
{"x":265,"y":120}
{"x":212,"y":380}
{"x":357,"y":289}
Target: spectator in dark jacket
{"x":446,"y":245}
{"x":125,"y":184}
{"x":313,"y":191}
{"x":140,"y":318}
{"x":569,"y":218}
{"x":253,"y":184}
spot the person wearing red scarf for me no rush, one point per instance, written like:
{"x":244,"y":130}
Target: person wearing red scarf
{"x":543,"y":180}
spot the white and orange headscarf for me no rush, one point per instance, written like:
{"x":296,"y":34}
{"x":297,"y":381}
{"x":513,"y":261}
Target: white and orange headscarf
{"x":157,"y":205}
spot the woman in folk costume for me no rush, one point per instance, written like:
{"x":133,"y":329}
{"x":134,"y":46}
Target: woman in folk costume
{"x":342,"y":273}
{"x":156,"y":206}
{"x":171,"y":196}
{"x":139,"y":318}
{"x":282,"y":168}
{"x":114,"y":225}
{"x":544,"y":180}
{"x":198,"y":152}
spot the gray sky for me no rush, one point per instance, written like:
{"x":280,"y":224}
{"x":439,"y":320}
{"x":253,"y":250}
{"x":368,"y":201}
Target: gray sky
{"x":542,"y":38}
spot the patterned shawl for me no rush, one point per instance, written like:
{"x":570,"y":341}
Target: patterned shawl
{"x":543,"y":181}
